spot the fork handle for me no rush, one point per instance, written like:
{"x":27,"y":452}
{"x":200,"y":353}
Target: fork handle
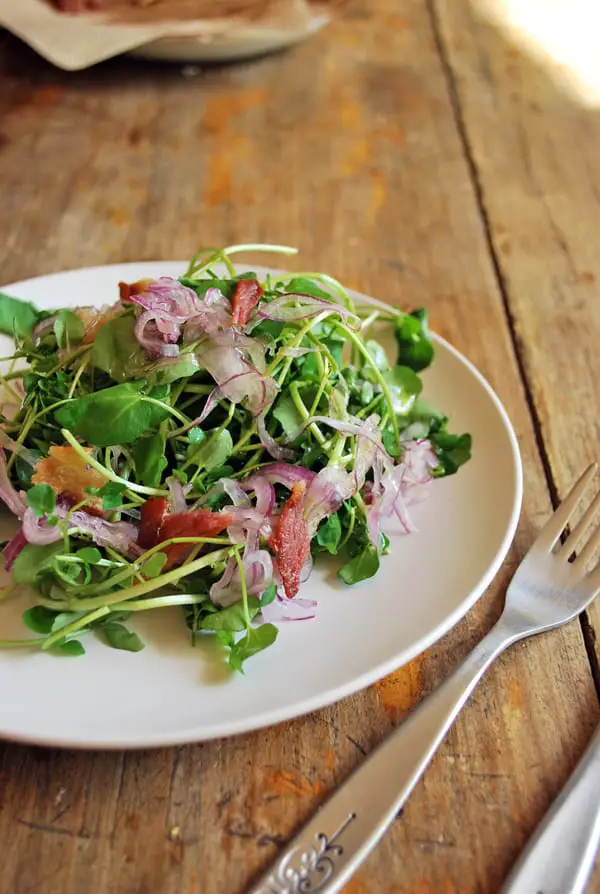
{"x":341,"y":834}
{"x":560,"y":857}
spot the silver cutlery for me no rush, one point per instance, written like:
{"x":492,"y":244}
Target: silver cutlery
{"x":549,"y":588}
{"x":560,"y":856}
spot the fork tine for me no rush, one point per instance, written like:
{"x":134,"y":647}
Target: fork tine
{"x":578,"y":533}
{"x":587,"y":553}
{"x":558,"y":522}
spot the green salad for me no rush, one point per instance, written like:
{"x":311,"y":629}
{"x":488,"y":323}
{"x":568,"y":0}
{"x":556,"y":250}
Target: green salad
{"x":198,"y":442}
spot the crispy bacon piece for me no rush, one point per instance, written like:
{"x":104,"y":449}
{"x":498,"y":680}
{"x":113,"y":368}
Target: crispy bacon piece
{"x":152,"y":516}
{"x":246,"y":296}
{"x":126,"y":290}
{"x":158,"y":525}
{"x":290,"y":540}
{"x":68,"y":475}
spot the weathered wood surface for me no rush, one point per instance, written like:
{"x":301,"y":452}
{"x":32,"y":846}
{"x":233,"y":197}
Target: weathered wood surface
{"x":351,"y":147}
{"x":541,"y":204}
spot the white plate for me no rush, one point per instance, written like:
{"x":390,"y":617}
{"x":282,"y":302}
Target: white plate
{"x":171,"y":693}
{"x":248,"y":44}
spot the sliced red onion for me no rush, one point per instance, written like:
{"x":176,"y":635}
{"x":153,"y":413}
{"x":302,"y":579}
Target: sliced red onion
{"x":35,"y":530}
{"x":177,"y":491}
{"x":284,"y":609}
{"x":121,"y":536}
{"x":295,"y":307}
{"x":258,"y":570}
{"x":270,"y":444}
{"x":234,"y":491}
{"x":21,"y":451}
{"x":296,"y":352}
{"x":258,"y":566}
{"x":395,"y":489}
{"x":248,"y":524}
{"x":281,"y":473}
{"x":326,"y":494}
{"x":167,"y":306}
{"x":237,"y":378}
{"x":369,"y":449}
{"x":351,"y":426}
{"x":263,"y":490}
{"x":13,"y":548}
{"x":169,"y":300}
{"x":170,"y":351}
{"x":43,"y":327}
{"x":306,"y":570}
{"x":211,"y":316}
{"x":221,"y":590}
{"x":16,"y":502}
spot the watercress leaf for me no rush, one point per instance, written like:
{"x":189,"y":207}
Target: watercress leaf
{"x":39,"y":619}
{"x":329,"y":533}
{"x":303,"y":286}
{"x":201,"y":286}
{"x":119,"y":637}
{"x":367,"y":393}
{"x":390,"y":441}
{"x":17,"y":318}
{"x":287,"y":414}
{"x":414,"y":343}
{"x":268,"y":330}
{"x":113,"y":618}
{"x":378,"y":355}
{"x":231,"y":618}
{"x":361,"y":567}
{"x":219,"y":472}
{"x":71,"y":649}
{"x":268,"y":596}
{"x":116,"y":415}
{"x":426,"y":416}
{"x":34,"y":561}
{"x":452,"y":451}
{"x":225,"y":637}
{"x":24,"y":470}
{"x":63,"y":618}
{"x":212,"y":452}
{"x":89,"y":554}
{"x":180,"y":475}
{"x":171,"y":369}
{"x":68,"y":328}
{"x":404,"y":386}
{"x":149,"y":458}
{"x":71,"y":572}
{"x":41,"y":499}
{"x":153,"y":566}
{"x":255,"y":640}
{"x":117,"y":351}
{"x":112,"y":495}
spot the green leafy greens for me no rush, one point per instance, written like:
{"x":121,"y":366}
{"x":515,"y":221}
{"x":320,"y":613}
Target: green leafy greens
{"x":195,"y":458}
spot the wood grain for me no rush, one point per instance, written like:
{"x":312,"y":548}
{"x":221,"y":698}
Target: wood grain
{"x":540,"y":198}
{"x":350,"y":148}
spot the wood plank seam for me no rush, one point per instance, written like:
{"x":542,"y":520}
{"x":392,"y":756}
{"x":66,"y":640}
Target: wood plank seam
{"x":455,"y":103}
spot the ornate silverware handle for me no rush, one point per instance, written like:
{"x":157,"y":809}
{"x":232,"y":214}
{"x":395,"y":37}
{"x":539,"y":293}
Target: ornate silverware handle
{"x":341,"y":834}
{"x":560,"y":857}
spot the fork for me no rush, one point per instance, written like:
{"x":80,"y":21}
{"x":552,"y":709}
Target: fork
{"x":550,"y":587}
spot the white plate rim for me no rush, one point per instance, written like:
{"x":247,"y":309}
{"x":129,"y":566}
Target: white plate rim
{"x":356,"y":684}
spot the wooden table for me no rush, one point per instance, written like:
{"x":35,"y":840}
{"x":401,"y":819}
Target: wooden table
{"x":419,"y":152}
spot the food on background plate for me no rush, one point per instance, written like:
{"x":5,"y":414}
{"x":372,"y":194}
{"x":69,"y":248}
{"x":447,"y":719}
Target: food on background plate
{"x":198,"y":442}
